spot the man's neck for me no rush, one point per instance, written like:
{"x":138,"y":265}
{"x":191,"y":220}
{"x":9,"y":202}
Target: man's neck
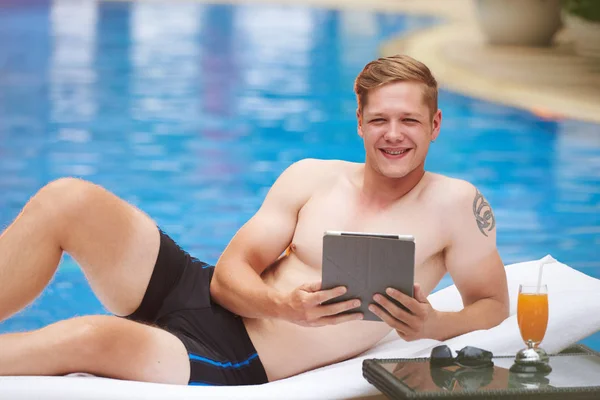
{"x":382,"y":191}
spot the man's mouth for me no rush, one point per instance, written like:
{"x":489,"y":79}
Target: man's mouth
{"x":395,"y":152}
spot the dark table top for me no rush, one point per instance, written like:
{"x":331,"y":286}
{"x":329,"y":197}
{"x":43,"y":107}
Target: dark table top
{"x":575,"y":375}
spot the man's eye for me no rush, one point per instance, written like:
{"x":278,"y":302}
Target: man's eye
{"x":377,"y":120}
{"x":410,"y":120}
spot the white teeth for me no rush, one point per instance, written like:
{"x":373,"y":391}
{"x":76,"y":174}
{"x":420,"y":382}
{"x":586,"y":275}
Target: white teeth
{"x":395,"y":153}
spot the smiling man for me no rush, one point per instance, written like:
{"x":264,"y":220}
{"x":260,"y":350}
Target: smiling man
{"x":258,"y":315}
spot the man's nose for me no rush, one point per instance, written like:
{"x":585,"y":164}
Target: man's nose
{"x":395,"y":133}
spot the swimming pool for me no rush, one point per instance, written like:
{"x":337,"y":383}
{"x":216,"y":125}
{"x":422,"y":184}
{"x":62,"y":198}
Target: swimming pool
{"x":190,"y":112}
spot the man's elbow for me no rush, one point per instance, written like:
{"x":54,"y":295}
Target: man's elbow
{"x":217,"y":288}
{"x":500,"y":312}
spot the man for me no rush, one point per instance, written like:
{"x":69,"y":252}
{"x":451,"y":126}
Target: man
{"x":258,"y":315}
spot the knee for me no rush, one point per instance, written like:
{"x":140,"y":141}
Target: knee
{"x":90,"y":338}
{"x":64,"y":188}
{"x":65,"y":196}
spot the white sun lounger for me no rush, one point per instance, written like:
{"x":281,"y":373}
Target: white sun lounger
{"x":574,"y":300}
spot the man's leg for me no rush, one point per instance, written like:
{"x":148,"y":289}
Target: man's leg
{"x":115,"y":244}
{"x":102,"y":345}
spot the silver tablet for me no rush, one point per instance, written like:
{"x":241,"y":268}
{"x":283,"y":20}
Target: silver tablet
{"x":368,"y":263}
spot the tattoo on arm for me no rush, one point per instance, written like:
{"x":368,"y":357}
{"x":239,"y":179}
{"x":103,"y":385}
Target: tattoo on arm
{"x":483,"y":214}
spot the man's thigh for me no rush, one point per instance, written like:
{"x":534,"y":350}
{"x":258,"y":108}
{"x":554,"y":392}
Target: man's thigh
{"x":115,"y":243}
{"x":101,"y":345}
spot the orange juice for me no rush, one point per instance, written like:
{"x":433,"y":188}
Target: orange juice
{"x":532,"y":316}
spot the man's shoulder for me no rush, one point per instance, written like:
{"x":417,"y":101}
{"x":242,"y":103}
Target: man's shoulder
{"x":460,"y":201}
{"x":321,"y":165}
{"x":302,"y":178}
{"x":315,"y":171}
{"x":451,"y":190}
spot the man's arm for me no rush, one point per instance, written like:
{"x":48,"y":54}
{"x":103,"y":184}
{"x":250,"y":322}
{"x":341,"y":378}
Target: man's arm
{"x":476,"y":268}
{"x":472,"y":259}
{"x":237,"y":284}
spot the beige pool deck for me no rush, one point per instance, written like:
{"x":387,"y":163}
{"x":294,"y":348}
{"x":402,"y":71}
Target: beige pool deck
{"x":551,"y":82}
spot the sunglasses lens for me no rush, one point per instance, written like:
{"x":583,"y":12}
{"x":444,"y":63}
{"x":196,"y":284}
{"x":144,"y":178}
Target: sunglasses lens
{"x":441,"y":356}
{"x":474,"y":357}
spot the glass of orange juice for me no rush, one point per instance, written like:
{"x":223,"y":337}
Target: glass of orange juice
{"x":532,"y":317}
{"x":532,"y":313}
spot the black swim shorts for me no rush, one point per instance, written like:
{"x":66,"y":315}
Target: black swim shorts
{"x":178,"y":300}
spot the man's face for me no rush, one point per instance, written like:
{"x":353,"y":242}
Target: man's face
{"x":397,"y":127}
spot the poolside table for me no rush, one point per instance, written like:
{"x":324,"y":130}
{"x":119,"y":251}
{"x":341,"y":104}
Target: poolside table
{"x":575,"y":375}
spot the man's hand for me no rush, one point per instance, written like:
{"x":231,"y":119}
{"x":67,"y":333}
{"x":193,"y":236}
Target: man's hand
{"x":413,"y":325}
{"x":303,"y":306}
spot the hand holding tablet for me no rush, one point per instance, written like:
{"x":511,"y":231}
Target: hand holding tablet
{"x":308,"y":305}
{"x":368,"y":264}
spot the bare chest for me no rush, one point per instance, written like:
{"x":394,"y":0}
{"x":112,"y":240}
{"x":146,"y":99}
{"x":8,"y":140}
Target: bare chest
{"x":332,"y":211}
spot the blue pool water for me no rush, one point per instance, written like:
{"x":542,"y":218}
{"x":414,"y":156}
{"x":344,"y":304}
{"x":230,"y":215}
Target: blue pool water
{"x":191,"y":111}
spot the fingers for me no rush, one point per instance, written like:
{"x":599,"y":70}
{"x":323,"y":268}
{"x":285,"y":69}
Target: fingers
{"x":412,"y":304}
{"x":311,"y":287}
{"x":420,"y":294}
{"x":395,"y":311}
{"x":315,"y":296}
{"x":409,"y":318}
{"x":401,"y":327}
{"x":336,"y":308}
{"x":315,"y":313}
{"x":326,"y":295}
{"x":334,"y":314}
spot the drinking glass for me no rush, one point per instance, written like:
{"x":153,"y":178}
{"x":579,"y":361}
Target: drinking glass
{"x":532,"y":317}
{"x":532,"y":313}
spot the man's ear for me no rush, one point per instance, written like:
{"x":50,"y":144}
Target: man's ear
{"x":359,"y":122}
{"x":436,"y":125}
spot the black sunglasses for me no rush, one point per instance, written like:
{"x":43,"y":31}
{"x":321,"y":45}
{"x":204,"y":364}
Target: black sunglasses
{"x":467,"y":357}
{"x":473,"y":367}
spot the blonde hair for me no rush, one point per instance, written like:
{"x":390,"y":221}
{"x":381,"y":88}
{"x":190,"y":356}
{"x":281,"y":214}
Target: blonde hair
{"x":396,"y":68}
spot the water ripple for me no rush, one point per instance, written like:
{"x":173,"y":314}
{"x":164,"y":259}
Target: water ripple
{"x":190,"y":111}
